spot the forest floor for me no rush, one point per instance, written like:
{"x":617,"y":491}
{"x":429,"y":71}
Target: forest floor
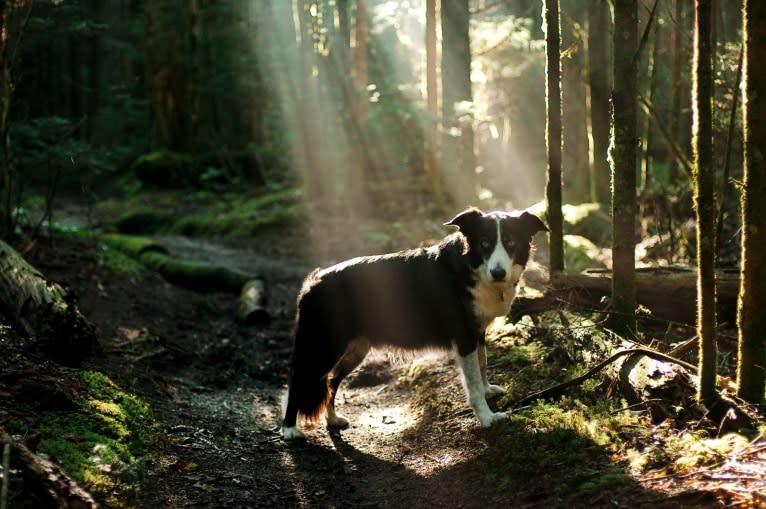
{"x":215,"y":388}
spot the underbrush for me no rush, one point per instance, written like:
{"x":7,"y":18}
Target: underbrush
{"x":590,"y":440}
{"x":100,"y":437}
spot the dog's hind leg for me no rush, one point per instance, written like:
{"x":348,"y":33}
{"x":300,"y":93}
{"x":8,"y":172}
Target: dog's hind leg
{"x":489,"y":389}
{"x":309,"y":393}
{"x":474,"y":386}
{"x":352,"y":358}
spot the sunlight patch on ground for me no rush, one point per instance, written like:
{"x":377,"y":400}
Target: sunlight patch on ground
{"x":386,"y":421}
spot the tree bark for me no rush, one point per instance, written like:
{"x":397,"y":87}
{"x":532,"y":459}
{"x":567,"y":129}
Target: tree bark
{"x":42,"y":310}
{"x":553,"y":132}
{"x":622,"y":156}
{"x":751,"y":375}
{"x":704,"y":197}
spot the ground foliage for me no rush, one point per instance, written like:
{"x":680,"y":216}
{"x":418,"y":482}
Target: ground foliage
{"x":182,"y":404}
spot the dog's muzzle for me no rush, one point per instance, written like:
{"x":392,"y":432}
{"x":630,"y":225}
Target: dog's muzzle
{"x":498,"y":274}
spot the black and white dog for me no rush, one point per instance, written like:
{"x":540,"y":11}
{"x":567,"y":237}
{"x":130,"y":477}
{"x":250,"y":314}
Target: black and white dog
{"x":443,"y":296}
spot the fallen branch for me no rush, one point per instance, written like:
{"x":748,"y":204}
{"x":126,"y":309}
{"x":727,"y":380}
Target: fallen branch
{"x":557,"y":390}
{"x":45,"y":479}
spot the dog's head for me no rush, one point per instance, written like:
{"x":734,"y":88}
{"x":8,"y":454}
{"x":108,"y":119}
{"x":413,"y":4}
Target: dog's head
{"x":498,"y":242}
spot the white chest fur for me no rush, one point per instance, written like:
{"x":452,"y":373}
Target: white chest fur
{"x":491,"y":300}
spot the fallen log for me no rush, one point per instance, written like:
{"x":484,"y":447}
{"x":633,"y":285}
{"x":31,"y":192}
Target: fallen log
{"x":195,"y":275}
{"x":670,"y":293}
{"x":42,"y":310}
{"x":252,"y":304}
{"x":44,"y":479}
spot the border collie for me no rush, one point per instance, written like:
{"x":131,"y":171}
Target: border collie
{"x":443,"y":296}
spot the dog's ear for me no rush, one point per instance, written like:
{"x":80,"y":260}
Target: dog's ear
{"x":465,"y":219}
{"x":532,"y":224}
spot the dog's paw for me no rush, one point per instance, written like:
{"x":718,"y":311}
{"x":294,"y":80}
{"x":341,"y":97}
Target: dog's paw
{"x":291,"y":433}
{"x":337,"y":422}
{"x":493,"y":390}
{"x":493,"y":418}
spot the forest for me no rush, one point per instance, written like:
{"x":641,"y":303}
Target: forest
{"x":170,"y":171}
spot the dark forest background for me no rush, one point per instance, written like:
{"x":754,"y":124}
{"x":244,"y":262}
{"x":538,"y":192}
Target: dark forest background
{"x":246,"y":94}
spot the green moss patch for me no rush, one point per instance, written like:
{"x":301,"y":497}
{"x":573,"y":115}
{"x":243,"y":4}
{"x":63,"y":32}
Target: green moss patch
{"x":244,"y":218}
{"x":103,"y":443}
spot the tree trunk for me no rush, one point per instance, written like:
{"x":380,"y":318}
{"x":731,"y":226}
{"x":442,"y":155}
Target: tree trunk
{"x":553,"y":134}
{"x":646,"y":139}
{"x":432,"y":128}
{"x":312,"y":147}
{"x":458,"y":160}
{"x":598,"y":81}
{"x":42,"y":310}
{"x":675,"y":85}
{"x":704,"y":197}
{"x":622,"y":156}
{"x":6,"y":175}
{"x":751,"y":375}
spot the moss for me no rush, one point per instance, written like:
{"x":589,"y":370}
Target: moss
{"x":164,"y":169}
{"x":143,"y":220}
{"x":566,"y":447}
{"x":119,"y":262}
{"x":102,"y":443}
{"x":241,"y":222}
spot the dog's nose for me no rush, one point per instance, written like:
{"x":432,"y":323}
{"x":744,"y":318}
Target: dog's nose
{"x":497,"y":273}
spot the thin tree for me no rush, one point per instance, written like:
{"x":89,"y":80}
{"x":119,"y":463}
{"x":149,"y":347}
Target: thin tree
{"x":553,"y":132}
{"x":704,"y":196}
{"x":458,"y":161}
{"x":622,"y":158}
{"x":676,"y":84}
{"x":598,"y":84}
{"x":751,"y":367}
{"x":432,"y":129}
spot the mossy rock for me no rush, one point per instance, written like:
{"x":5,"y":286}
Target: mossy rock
{"x":589,"y":220}
{"x":580,"y":254}
{"x":143,"y":220}
{"x":165,"y":169}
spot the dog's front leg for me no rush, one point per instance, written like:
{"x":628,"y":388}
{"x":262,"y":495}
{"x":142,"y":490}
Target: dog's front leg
{"x":489,"y":389}
{"x":474,"y":386}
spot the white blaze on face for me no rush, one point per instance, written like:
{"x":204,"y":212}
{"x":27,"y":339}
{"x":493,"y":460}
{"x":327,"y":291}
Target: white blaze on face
{"x":499,"y":259}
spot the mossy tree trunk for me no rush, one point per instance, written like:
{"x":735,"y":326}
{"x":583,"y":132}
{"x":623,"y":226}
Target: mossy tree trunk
{"x":751,"y":376}
{"x":704,"y":197}
{"x":622,"y":158}
{"x":553,"y":133}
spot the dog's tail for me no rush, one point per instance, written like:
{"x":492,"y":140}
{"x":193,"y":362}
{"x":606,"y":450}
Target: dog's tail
{"x":314,"y":357}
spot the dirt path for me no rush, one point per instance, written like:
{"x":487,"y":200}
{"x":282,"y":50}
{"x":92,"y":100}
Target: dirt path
{"x":216,"y":386}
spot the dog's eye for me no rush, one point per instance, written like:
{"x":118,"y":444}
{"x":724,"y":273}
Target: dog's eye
{"x":484,"y":242}
{"x":510,"y":244}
